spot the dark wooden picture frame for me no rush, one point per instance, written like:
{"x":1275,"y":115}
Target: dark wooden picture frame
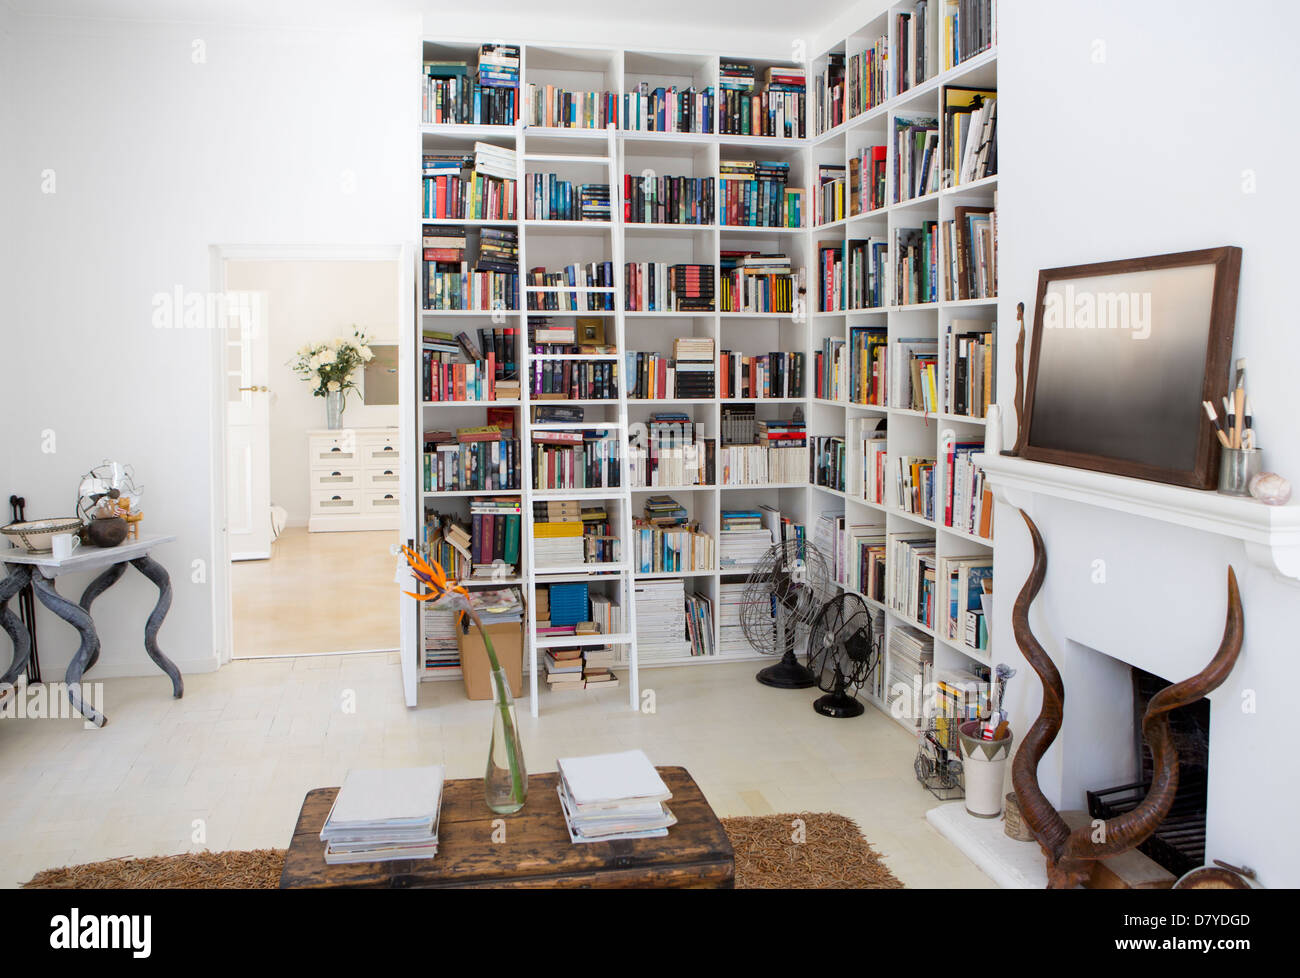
{"x":1091,"y":430}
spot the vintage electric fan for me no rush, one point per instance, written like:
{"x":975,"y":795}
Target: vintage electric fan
{"x":843,"y":651}
{"x":784,"y":593}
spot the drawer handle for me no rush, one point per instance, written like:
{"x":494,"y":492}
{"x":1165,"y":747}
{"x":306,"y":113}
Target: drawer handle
{"x":388,"y":448}
{"x":336,"y":497}
{"x":388,"y":495}
{"x":336,"y":473}
{"x":388,"y":471}
{"x":336,"y":449}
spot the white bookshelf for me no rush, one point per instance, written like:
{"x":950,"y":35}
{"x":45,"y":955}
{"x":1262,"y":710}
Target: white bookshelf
{"x":580,"y":155}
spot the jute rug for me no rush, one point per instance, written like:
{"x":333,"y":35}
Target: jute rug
{"x":805,"y":850}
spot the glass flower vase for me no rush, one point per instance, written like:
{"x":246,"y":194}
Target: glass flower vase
{"x":506,"y":780}
{"x":334,"y":410}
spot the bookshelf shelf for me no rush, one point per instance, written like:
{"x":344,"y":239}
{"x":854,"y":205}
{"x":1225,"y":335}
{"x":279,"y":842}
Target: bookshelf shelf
{"x":552,"y":244}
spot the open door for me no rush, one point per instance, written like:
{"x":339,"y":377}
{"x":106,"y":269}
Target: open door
{"x":248,"y":438}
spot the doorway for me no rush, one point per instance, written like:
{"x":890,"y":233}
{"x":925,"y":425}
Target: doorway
{"x":313,"y":513}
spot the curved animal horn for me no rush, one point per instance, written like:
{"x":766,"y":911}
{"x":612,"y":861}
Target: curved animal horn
{"x":1134,"y":826}
{"x":1043,"y":819}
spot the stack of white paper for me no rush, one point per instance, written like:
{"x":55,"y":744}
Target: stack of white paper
{"x":613,"y":796}
{"x":384,"y":814}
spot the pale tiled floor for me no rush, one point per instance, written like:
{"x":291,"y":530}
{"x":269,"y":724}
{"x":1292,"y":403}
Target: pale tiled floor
{"x":234,"y":758}
{"x":290,"y":604}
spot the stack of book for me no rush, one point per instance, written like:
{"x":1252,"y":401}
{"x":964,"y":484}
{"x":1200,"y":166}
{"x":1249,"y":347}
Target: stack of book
{"x":669,"y":109}
{"x":661,"y":619}
{"x":667,"y":200}
{"x":613,"y":796}
{"x":756,"y":282}
{"x":754,"y":194}
{"x":600,"y":545}
{"x":498,"y":66}
{"x":742,"y":539}
{"x":692,"y":288}
{"x":496,"y":161}
{"x":558,"y":543}
{"x":498,"y":250}
{"x":911,"y":654}
{"x":441,"y":651}
{"x":381,"y":815}
{"x":731,"y":635}
{"x":502,"y":606}
{"x":693,"y":367}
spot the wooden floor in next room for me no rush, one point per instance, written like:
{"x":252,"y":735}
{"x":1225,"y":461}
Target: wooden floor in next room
{"x":318,"y":592}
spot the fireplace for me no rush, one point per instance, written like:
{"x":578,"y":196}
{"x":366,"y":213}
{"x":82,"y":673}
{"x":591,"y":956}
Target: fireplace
{"x":1178,"y":844}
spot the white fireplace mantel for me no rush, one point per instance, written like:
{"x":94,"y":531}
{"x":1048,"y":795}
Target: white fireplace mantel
{"x":1271,"y":534}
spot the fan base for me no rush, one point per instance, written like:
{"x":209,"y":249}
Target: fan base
{"x":839,"y":706}
{"x":786,"y":674}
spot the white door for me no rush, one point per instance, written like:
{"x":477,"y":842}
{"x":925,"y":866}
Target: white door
{"x":248,"y":440}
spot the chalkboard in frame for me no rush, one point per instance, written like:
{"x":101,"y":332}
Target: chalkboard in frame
{"x":1123,"y":354}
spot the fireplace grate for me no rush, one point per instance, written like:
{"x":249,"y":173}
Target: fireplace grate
{"x":1178,"y":843}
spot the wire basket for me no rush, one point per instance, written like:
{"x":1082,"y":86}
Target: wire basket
{"x":938,"y":758}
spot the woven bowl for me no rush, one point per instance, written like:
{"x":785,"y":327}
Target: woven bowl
{"x":37,"y":536}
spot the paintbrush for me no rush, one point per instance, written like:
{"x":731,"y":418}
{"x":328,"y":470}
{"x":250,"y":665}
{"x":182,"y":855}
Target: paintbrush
{"x":1218,"y":428}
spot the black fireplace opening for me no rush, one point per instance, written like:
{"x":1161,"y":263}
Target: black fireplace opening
{"x":1178,"y":843}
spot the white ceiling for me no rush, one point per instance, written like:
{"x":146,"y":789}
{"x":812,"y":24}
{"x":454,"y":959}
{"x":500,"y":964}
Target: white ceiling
{"x":767,"y":16}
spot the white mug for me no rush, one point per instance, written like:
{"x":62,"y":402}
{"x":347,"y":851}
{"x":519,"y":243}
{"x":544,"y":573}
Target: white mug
{"x":63,"y":545}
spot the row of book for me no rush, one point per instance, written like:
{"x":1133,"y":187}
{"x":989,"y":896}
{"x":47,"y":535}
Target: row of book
{"x":852,"y":274}
{"x":689,"y":373}
{"x":485,"y":547}
{"x":490,"y":371}
{"x":915,"y":62}
{"x":550,"y":105}
{"x":777,"y":108}
{"x":754,"y":281}
{"x":666,"y":541}
{"x":465,"y":195}
{"x":916,"y":264}
{"x":668,"y":109}
{"x":914,"y":477}
{"x":575,"y":459}
{"x":916,"y":383}
{"x":566,"y":534}
{"x":964,"y":581}
{"x":548,"y":198}
{"x":485,"y":95}
{"x":867,"y":172}
{"x":595,"y":277}
{"x":450,"y":284}
{"x":916,"y":157}
{"x":970,"y":134}
{"x":651,"y":286}
{"x":969,"y":252}
{"x":760,"y":465}
{"x":869,"y":437}
{"x":911,"y":587}
{"x":754,"y":193}
{"x":969,"y":27}
{"x":970,"y":367}
{"x":828,"y":461}
{"x":968,"y":501}
{"x":760,"y":376}
{"x":576,"y":380}
{"x":651,"y":199}
{"x":482,"y":458}
{"x":670,"y":453}
{"x":868,"y":365}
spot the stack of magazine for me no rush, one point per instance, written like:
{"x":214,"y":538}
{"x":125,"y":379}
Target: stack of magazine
{"x":386,"y":814}
{"x":613,"y":796}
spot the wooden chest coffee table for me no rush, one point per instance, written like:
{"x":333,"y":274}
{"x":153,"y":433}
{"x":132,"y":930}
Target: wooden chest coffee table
{"x":536,"y":851}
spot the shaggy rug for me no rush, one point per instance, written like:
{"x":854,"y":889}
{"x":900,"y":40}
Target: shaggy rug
{"x":804,"y":851}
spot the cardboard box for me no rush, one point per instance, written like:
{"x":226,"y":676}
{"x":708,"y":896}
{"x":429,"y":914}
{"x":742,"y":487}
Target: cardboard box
{"x":508,"y":641}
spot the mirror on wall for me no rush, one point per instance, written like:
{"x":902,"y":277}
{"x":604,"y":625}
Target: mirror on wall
{"x":379,"y":384}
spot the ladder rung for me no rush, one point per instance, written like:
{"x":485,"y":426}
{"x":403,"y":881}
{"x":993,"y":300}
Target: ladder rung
{"x":565,"y":158}
{"x":578,"y":426}
{"x":587,"y":569}
{"x":562,"y":641}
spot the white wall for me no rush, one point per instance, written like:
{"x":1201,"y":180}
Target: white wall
{"x":1132,"y":129}
{"x":310,"y":302}
{"x":274,"y":136}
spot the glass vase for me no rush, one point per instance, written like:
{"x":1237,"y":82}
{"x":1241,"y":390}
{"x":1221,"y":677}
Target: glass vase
{"x":334,"y":410}
{"x":506,"y":780}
